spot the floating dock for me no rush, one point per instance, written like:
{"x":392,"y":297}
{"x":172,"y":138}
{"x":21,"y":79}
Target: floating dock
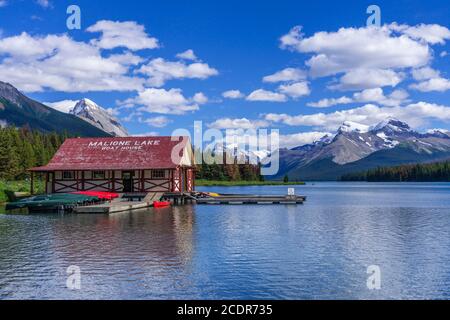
{"x":120,"y":206}
{"x":251,"y":199}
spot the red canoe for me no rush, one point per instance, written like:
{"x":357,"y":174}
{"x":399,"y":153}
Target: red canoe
{"x":99,"y":194}
{"x":161,"y":204}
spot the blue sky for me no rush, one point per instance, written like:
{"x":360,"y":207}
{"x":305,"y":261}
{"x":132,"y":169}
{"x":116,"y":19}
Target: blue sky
{"x":400,"y":70}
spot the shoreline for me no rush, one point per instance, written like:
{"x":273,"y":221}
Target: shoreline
{"x":218,"y":183}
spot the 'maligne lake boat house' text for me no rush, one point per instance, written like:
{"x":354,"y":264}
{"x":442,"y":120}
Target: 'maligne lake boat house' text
{"x":132,"y":164}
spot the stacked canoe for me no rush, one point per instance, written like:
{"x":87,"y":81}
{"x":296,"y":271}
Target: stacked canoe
{"x":57,"y":202}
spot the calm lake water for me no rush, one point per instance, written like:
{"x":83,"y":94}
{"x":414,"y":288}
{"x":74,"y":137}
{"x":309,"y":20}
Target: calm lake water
{"x":319,"y":250}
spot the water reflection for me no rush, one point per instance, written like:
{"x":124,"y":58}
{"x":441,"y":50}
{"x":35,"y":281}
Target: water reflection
{"x":318,"y":250}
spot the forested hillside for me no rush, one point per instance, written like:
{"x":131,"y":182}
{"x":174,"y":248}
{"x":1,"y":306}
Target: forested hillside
{"x":21,"y":149}
{"x":430,"y":172}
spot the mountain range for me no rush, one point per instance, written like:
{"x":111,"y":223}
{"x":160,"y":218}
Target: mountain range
{"x":357,"y":147}
{"x":18,"y":110}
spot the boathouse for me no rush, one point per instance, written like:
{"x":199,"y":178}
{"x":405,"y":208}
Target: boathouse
{"x":131,"y":164}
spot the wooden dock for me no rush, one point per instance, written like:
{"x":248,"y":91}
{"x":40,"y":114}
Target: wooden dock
{"x":252,"y":199}
{"x":120,"y":206}
{"x":180,"y":198}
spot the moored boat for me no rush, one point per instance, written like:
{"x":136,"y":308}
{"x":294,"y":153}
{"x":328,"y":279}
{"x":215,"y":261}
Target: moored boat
{"x":52,"y":202}
{"x":161,"y":204}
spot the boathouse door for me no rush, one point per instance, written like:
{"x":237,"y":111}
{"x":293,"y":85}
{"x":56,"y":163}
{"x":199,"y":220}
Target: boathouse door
{"x":127,"y":180}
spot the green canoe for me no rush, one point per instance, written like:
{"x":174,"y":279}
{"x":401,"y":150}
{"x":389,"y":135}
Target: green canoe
{"x":52,"y":202}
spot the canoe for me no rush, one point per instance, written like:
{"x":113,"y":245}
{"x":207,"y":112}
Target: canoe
{"x":161,"y":204}
{"x":52,"y":202}
{"x":100,"y":194}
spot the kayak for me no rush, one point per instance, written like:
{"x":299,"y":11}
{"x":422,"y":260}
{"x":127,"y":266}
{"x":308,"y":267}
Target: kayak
{"x":161,"y":204}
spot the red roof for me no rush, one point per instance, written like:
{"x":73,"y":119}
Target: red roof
{"x":116,"y":154}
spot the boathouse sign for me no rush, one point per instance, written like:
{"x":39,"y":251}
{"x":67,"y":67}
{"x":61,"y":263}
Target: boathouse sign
{"x":122,"y":145}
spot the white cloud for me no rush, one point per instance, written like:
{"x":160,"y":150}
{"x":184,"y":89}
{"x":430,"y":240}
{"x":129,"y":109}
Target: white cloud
{"x":232,"y":94}
{"x":3,"y":3}
{"x":425,"y":73}
{"x":34,"y":63}
{"x":359,"y":79}
{"x":158,"y":122}
{"x":431,"y":33}
{"x":295,"y":90}
{"x":264,"y":95}
{"x":288,"y":74}
{"x":372,"y":57}
{"x":357,"y":48}
{"x":429,"y":80}
{"x":112,"y":112}
{"x":242,"y":123}
{"x":159,"y":71}
{"x":187,"y":55}
{"x":329,"y":102}
{"x":417,"y":114}
{"x":396,"y":98}
{"x":443,"y":54}
{"x":435,"y":84}
{"x":300,"y":139}
{"x":63,"y":106}
{"x":163,"y":101}
{"x":126,"y":34}
{"x":146,"y":134}
{"x":44,"y":3}
{"x":200,"y":98}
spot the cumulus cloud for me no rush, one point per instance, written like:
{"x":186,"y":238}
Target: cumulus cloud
{"x":126,"y":34}
{"x":357,"y":48}
{"x":232,"y":94}
{"x":240,"y":123}
{"x":157,"y":122}
{"x":425,"y":73}
{"x":416,"y":114}
{"x":200,"y":98}
{"x":430,"y":33}
{"x":329,"y":102}
{"x":397,"y":97}
{"x":288,"y":74}
{"x":34,"y":63}
{"x":359,"y":79}
{"x":429,"y":80}
{"x":64,"y":106}
{"x":187,"y":55}
{"x":435,"y":84}
{"x":264,"y":95}
{"x":295,"y":90}
{"x":159,"y":71}
{"x":154,"y":100}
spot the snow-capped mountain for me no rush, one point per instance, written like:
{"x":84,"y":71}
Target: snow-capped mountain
{"x":392,"y":140}
{"x":89,"y":111}
{"x":16,"y":109}
{"x":239,"y":152}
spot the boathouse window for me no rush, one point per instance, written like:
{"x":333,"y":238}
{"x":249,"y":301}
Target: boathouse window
{"x":158,"y":174}
{"x":68,"y":175}
{"x":100,"y":175}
